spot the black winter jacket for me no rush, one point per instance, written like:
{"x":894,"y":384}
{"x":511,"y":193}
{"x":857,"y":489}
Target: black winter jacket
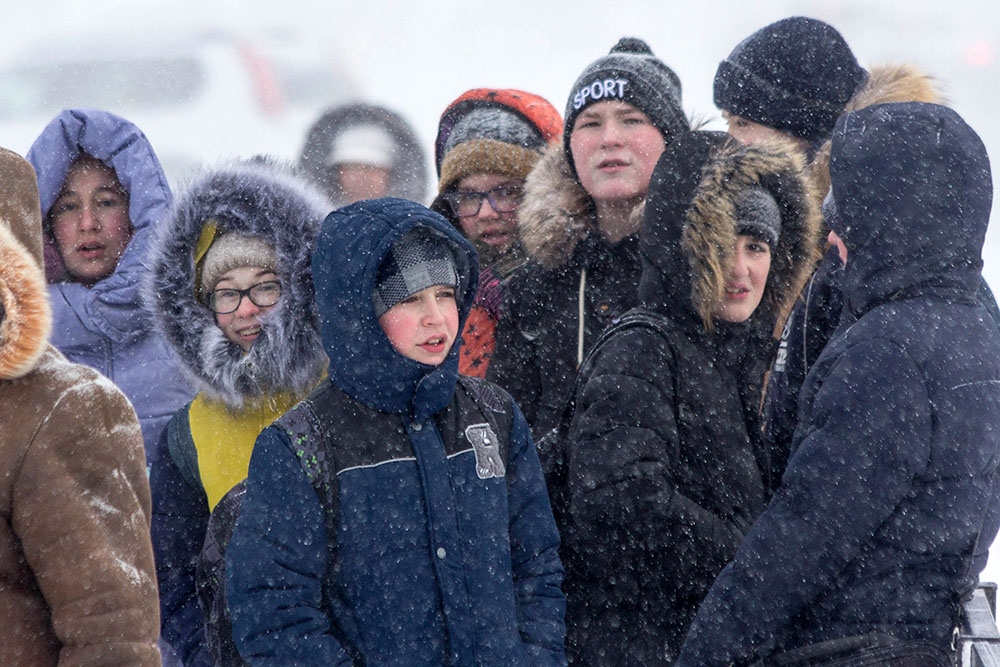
{"x":540,"y":338}
{"x":891,"y":498}
{"x":663,"y":471}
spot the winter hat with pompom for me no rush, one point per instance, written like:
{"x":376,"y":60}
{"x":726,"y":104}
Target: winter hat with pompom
{"x":629,"y":73}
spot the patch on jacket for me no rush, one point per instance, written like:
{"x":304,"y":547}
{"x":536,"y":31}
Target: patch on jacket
{"x":487,"y":447}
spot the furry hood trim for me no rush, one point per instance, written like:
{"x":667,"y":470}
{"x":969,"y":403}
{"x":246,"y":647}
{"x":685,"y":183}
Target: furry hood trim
{"x":25,"y":316}
{"x":257,"y":198}
{"x":557,"y":212}
{"x":690,"y":223}
{"x":886,"y":83}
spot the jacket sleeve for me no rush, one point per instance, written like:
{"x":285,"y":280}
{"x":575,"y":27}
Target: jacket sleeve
{"x":276,"y":564}
{"x":537,"y":570}
{"x":869,"y":437}
{"x":180,"y":520}
{"x":82,"y":513}
{"x":513,"y":365}
{"x":623,"y":459}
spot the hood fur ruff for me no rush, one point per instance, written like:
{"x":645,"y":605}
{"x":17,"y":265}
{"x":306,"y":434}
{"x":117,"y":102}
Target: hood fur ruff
{"x":25,"y":317}
{"x":886,"y":83}
{"x":557,"y":212}
{"x":260,"y":198}
{"x":711,"y":225}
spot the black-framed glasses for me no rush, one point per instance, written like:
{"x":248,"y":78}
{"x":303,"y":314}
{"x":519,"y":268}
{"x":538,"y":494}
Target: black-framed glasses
{"x":228,"y":300}
{"x":504,"y":199}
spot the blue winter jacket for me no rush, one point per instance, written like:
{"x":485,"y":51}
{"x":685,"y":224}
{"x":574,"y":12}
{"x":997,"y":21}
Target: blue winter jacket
{"x":107,"y":326}
{"x":435,"y":566}
{"x":889,"y":503}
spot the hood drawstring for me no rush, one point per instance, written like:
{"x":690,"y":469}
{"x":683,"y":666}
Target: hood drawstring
{"x":581,"y":310}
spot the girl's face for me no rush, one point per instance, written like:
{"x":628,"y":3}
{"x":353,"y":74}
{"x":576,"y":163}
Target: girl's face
{"x":242,"y":326}
{"x":746,"y":277}
{"x":423,"y":326}
{"x":615,"y":147}
{"x":90,"y":221}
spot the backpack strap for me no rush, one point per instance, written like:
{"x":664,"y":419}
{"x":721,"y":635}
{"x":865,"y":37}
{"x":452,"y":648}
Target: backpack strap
{"x":552,"y":445}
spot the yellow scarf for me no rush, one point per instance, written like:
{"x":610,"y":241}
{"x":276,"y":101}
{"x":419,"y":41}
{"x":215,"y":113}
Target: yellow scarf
{"x":224,"y":439}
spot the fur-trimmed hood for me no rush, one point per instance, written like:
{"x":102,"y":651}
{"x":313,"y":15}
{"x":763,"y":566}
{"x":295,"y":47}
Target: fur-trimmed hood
{"x":409,"y":178}
{"x":557,"y":212}
{"x":259,"y":198}
{"x":886,"y":83}
{"x":25,"y":314}
{"x":689,"y":224}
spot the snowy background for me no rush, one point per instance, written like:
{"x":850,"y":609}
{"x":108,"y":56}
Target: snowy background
{"x":415,"y":57}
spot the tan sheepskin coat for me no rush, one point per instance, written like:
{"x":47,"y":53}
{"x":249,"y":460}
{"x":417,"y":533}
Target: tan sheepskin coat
{"x":77,"y":583}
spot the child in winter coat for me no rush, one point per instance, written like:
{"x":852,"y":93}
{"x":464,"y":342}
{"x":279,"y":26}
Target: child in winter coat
{"x":233,"y":298}
{"x":103,"y":196}
{"x":77,"y":583}
{"x":663,"y":470}
{"x":398,"y":515}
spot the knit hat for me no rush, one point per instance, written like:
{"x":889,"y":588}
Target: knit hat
{"x":629,"y":73}
{"x":795,"y":75}
{"x":418,"y":260}
{"x":758,"y":214}
{"x":231,"y":251}
{"x":363,"y":144}
{"x":493,"y":131}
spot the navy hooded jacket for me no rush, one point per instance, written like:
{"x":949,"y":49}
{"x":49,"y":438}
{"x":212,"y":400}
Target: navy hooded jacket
{"x":890,"y":500}
{"x":435,"y":565}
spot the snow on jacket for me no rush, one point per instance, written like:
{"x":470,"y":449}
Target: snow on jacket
{"x":817,"y":313}
{"x":107,"y":326}
{"x":77,"y":584}
{"x":434,"y":564}
{"x":240,"y":393}
{"x":575,"y":273}
{"x":408,"y":177}
{"x":890,"y":499}
{"x":662,"y":462}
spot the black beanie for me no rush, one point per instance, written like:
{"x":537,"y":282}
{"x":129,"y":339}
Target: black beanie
{"x":629,"y":73}
{"x":418,"y":260}
{"x":795,"y":75}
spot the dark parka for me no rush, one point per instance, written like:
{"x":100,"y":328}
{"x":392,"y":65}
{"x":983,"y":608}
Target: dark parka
{"x":890,"y":500}
{"x":663,"y":472}
{"x":408,"y":177}
{"x":816,"y":314}
{"x":255,"y":198}
{"x":540,"y":335}
{"x":434,"y":563}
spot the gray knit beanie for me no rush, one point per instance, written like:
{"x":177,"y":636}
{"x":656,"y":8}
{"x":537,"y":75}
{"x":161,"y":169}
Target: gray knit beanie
{"x":629,"y":73}
{"x":418,"y":260}
{"x":758,"y":214}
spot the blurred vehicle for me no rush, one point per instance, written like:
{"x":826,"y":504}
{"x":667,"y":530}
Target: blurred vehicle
{"x":198,"y":96}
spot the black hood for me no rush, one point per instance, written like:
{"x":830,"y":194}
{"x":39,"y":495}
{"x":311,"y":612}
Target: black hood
{"x":913,"y":190}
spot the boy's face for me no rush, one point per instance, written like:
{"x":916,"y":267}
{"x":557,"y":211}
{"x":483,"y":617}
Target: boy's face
{"x":423,"y":326}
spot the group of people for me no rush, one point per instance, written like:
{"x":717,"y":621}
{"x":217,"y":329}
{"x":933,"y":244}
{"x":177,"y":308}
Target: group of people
{"x":625,"y":391}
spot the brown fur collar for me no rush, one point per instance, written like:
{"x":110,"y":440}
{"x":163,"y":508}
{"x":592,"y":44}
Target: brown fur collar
{"x":26,"y":318}
{"x":886,"y":83}
{"x":711,"y":226}
{"x":557,"y":212}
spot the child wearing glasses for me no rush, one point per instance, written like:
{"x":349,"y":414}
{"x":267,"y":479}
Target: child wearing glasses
{"x":232,"y":295}
{"x":398,"y":514}
{"x":488,"y":142}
